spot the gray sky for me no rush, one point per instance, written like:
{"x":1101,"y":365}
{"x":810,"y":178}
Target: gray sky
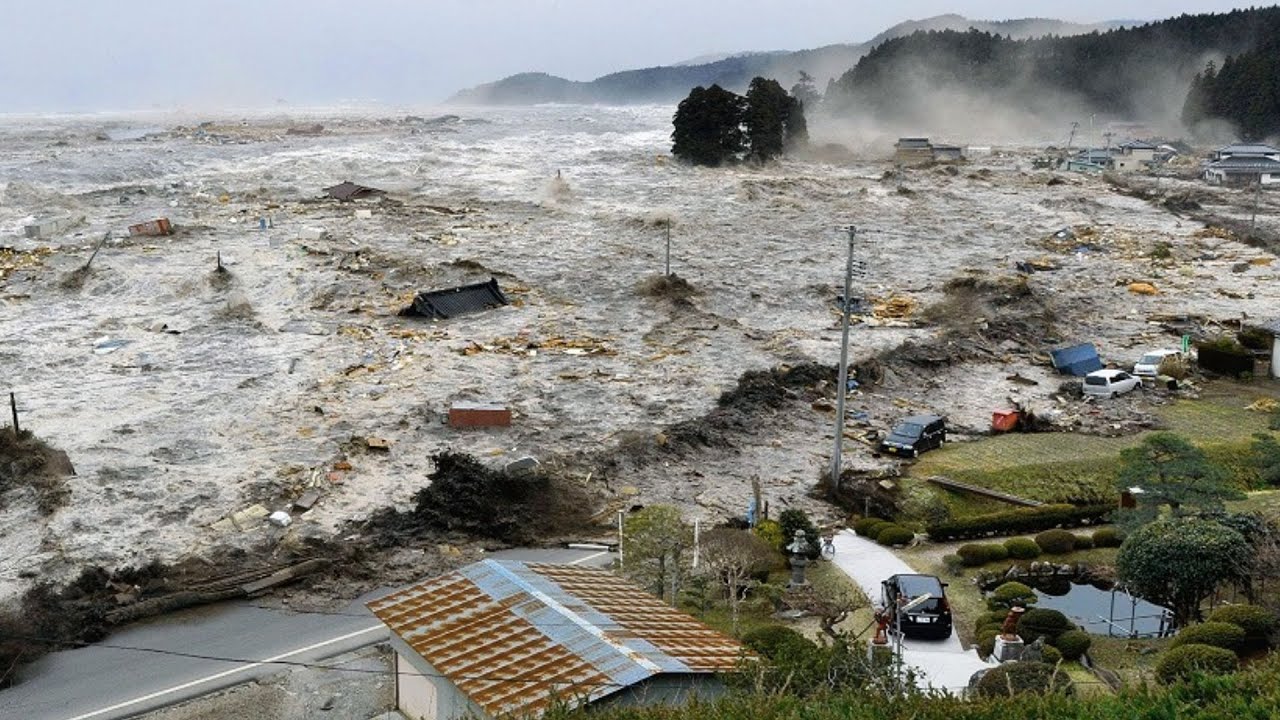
{"x":77,"y":55}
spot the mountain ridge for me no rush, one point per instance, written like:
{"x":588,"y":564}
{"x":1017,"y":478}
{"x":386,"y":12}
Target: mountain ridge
{"x":669,"y":83}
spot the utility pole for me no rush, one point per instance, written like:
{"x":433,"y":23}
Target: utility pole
{"x":1108,"y":135}
{"x":1253,"y":217}
{"x":1072,"y":136}
{"x":844,"y":367}
{"x":668,"y":226}
{"x":13,"y":405}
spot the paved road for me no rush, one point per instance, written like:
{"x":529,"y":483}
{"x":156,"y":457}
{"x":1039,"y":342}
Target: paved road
{"x":105,"y":682}
{"x":939,"y":664}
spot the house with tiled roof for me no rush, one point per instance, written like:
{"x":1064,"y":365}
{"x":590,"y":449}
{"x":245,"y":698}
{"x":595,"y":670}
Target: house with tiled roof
{"x":502,"y":638}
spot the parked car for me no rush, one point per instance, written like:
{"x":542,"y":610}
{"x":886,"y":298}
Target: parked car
{"x":1109,"y":383}
{"x":1149,"y":365}
{"x":929,"y":619}
{"x":915,"y":434}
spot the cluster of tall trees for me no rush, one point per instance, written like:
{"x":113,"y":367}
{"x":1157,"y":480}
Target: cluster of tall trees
{"x":1245,"y":92}
{"x":713,"y":126}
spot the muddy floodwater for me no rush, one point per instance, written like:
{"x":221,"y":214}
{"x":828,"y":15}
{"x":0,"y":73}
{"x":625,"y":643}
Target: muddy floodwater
{"x":184,"y":396}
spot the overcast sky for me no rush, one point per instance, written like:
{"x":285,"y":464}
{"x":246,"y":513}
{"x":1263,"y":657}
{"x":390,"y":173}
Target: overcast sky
{"x":77,"y":55}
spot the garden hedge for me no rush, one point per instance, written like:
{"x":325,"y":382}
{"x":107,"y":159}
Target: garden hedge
{"x":975,"y":554}
{"x":866,"y":526}
{"x":1083,"y":542}
{"x":1018,"y":522}
{"x":1073,"y":644}
{"x":1214,"y":634}
{"x":1041,"y":621}
{"x":891,"y":534}
{"x":1056,"y":542}
{"x":1258,"y":623}
{"x":1021,"y":548}
{"x":1182,"y":662}
{"x":1107,"y":537}
{"x":1016,"y":678}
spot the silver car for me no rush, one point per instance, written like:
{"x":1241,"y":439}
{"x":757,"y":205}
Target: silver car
{"x":1109,"y":383}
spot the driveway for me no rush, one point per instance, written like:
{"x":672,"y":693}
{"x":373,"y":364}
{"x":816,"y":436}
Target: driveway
{"x":939,"y":664}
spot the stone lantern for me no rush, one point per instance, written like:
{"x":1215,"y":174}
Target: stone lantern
{"x":799,"y":549}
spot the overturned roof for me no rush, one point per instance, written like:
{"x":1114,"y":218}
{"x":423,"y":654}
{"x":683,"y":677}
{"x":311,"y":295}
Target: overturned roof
{"x":1138,"y":145}
{"x":1272,"y":326}
{"x":351,"y":191}
{"x":912,"y":143}
{"x":513,"y":636}
{"x":444,"y":304}
{"x":1078,"y":360}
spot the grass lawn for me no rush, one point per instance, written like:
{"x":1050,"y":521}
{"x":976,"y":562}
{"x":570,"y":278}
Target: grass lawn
{"x":1057,"y":467}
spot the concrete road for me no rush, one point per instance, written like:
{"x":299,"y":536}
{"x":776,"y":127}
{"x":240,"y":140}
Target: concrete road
{"x":939,"y":664}
{"x":149,"y":665}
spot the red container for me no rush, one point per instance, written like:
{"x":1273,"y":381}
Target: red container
{"x":1004,"y":420}
{"x":474,"y":415}
{"x":159,"y":226}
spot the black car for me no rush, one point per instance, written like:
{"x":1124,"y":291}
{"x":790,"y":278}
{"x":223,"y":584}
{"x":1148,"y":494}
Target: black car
{"x":915,"y":434}
{"x":929,"y":619}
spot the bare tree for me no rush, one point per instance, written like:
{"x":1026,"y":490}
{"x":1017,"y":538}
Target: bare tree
{"x":733,"y":557}
{"x":826,"y":598}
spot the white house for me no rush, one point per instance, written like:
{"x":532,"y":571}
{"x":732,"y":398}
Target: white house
{"x":500,"y":639}
{"x":1243,"y":170}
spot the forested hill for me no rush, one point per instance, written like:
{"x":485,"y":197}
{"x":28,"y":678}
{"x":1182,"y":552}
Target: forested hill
{"x":1140,"y":73}
{"x":670,"y":83}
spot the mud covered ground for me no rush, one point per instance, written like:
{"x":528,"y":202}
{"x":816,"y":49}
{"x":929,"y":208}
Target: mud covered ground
{"x":184,"y":396}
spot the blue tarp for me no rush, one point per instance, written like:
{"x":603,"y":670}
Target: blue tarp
{"x":1078,"y":360}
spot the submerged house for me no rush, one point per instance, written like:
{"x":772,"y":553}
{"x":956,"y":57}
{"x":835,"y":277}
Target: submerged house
{"x":501,"y":638}
{"x":1134,"y":155}
{"x":918,"y":150}
{"x":1241,"y":170}
{"x":1089,"y":160}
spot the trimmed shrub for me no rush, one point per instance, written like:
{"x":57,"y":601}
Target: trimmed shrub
{"x":793,"y":519}
{"x":1215,"y":634}
{"x":975,"y":554}
{"x":1040,"y":621}
{"x":953,"y":563}
{"x":992,"y":619}
{"x":1182,"y":662}
{"x":1010,"y":594}
{"x":986,"y":642}
{"x":1258,"y":623}
{"x":866,"y":526}
{"x":1056,"y":542}
{"x":776,"y":641}
{"x":1082,"y":542}
{"x":1022,"y":548}
{"x":1018,"y":522}
{"x":1018,"y":678}
{"x":890,"y":535}
{"x":1107,"y":537}
{"x":1073,"y":644}
{"x":770,"y":532}
{"x":1050,"y":655}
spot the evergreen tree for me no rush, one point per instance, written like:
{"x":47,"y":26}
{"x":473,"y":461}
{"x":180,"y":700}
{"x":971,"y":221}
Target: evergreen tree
{"x":805,"y":91}
{"x":795,"y":128}
{"x":708,"y":126}
{"x":767,"y":108}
